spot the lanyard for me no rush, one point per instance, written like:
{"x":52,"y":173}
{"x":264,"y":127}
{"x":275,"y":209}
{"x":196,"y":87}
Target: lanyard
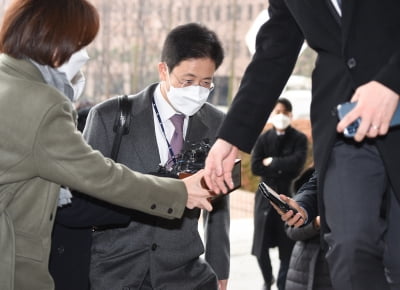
{"x":163,"y":131}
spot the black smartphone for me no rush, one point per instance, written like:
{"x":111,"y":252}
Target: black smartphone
{"x":270,"y":194}
{"x":237,"y":175}
{"x":236,"y":178}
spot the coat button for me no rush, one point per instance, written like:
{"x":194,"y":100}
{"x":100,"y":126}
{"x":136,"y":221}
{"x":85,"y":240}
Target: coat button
{"x":153,"y":206}
{"x":170,"y":210}
{"x":154,"y":247}
{"x":60,"y":250}
{"x":351,"y":63}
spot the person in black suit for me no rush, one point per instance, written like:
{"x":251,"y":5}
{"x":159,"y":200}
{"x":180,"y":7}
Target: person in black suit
{"x":308,"y":268}
{"x":278,"y":157}
{"x":358,"y":47}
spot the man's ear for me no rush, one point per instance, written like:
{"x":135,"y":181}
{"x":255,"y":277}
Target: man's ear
{"x":162,"y":71}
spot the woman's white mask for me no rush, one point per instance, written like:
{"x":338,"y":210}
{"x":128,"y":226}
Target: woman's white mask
{"x":280,"y":121}
{"x":78,"y":83}
{"x":72,"y":70}
{"x":74,"y":64}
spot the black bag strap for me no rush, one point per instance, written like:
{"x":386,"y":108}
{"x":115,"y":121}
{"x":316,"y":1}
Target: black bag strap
{"x":121,"y":124}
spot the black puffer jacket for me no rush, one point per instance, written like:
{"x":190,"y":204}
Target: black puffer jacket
{"x":308,"y":269}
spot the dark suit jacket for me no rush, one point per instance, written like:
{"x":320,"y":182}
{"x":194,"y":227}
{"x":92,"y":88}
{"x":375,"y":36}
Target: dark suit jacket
{"x":169,"y":250}
{"x":72,"y":238}
{"x":289,"y":152}
{"x":363,"y":46}
{"x":308,"y":268}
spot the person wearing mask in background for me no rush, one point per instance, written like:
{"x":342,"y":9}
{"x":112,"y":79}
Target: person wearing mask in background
{"x":278,"y":157}
{"x":41,"y":149}
{"x":358,"y":47}
{"x":308,"y":269}
{"x":149,"y":252}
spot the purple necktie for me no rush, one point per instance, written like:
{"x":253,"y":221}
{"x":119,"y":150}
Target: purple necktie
{"x":177,"y":137}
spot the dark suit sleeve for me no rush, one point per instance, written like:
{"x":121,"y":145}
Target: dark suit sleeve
{"x":306,"y":197}
{"x":85,"y":212}
{"x":285,"y":166}
{"x":216,"y":237}
{"x":388,"y":75}
{"x":277,"y":46}
{"x":302,"y":233}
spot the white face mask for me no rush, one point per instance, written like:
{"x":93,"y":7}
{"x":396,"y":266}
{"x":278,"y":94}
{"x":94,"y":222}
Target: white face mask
{"x":280,"y":121}
{"x":74,"y":64}
{"x":72,"y":69}
{"x":78,"y":83}
{"x":188,"y":100}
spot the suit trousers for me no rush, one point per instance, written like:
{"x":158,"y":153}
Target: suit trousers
{"x":362,"y":215}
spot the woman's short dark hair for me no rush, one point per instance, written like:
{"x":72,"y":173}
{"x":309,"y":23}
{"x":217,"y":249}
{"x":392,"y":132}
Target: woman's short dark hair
{"x":48,"y":31}
{"x":191,"y":40}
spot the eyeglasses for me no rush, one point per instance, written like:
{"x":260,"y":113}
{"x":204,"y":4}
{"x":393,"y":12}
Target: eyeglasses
{"x":208,"y":84}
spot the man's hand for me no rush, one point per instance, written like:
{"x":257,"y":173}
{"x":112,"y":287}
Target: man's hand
{"x":376,"y":105}
{"x":219,"y":165}
{"x":296,"y":220}
{"x":197,"y":195}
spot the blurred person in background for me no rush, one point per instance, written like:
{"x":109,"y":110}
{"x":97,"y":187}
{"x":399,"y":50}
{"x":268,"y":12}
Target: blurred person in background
{"x":308,"y":269}
{"x":278,"y":157}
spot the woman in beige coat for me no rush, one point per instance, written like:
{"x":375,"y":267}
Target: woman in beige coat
{"x":40,"y":149}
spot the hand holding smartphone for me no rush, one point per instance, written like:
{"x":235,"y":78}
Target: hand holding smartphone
{"x":270,"y":194}
{"x":236,"y":178}
{"x":351,"y":130}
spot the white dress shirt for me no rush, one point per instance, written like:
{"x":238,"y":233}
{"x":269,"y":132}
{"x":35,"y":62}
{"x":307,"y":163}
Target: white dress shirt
{"x":336,"y":5}
{"x":166,"y":111}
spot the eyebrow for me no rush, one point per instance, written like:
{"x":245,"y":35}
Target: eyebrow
{"x":194,"y":76}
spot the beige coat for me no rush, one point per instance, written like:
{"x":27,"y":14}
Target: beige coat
{"x":40,"y":149}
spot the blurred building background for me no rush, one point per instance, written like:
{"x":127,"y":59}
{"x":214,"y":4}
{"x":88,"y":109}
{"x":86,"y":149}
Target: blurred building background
{"x":127,"y":50}
{"x":125,"y":54}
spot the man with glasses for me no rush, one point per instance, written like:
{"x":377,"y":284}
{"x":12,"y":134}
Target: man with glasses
{"x":151,"y":252}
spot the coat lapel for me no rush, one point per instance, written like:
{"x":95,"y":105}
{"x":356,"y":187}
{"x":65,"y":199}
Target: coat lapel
{"x":142,"y":139}
{"x":333,"y":11}
{"x":318,"y":9}
{"x":347,"y":15}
